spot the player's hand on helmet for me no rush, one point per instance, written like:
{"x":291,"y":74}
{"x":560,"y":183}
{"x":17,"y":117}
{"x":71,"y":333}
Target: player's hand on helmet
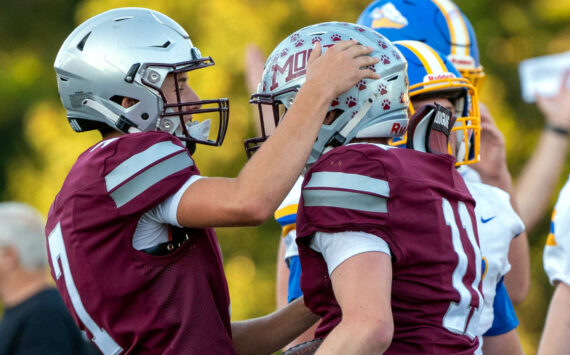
{"x":493,"y":164}
{"x":340,"y":67}
{"x":556,"y":109}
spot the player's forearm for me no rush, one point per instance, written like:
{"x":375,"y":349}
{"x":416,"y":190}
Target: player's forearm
{"x":517,"y":280}
{"x":556,"y":334}
{"x":356,"y":339}
{"x":274,"y":168}
{"x":265,"y":335}
{"x":507,"y":343}
{"x":538,"y":179}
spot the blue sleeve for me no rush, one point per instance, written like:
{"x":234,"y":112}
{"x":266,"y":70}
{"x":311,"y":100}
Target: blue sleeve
{"x":504,"y":317}
{"x":294,"y":289}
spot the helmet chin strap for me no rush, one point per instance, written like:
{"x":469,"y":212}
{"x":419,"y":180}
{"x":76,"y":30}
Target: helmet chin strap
{"x":113,"y":117}
{"x":355,"y":120}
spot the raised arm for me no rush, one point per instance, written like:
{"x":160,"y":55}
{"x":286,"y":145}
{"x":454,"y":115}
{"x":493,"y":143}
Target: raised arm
{"x":541,"y":173}
{"x":252,"y":197}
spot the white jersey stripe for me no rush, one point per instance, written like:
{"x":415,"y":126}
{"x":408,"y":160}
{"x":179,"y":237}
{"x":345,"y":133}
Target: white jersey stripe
{"x":149,"y":177}
{"x":347,"y":181}
{"x":139,"y":162}
{"x":345,"y":199}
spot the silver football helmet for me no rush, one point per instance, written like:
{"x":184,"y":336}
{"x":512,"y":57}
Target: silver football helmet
{"x":128,"y":53}
{"x":370,"y":109}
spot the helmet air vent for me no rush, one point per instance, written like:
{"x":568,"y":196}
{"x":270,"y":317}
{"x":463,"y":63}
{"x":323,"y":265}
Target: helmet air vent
{"x":81,"y":44}
{"x":165,"y":45}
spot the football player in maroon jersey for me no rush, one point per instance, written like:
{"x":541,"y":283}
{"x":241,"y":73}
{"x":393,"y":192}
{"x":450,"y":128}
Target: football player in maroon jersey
{"x":129,"y":235}
{"x":387,"y":237}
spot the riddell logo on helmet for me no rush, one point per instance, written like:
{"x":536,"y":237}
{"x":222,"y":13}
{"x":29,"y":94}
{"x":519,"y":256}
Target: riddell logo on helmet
{"x":462,"y":61}
{"x":397,"y":130}
{"x":434,"y":77}
{"x":295,"y":66}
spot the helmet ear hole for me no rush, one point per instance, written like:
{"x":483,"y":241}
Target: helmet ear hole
{"x":331,"y":116}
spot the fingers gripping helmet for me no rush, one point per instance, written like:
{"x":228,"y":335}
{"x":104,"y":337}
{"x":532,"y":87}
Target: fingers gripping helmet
{"x":439,"y":23}
{"x":432,"y":75}
{"x":128,"y":53}
{"x":370,"y":109}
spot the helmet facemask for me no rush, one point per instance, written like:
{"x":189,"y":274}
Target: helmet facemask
{"x":172,"y":119}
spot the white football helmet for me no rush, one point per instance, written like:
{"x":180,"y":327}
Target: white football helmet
{"x":128,"y":52}
{"x":370,"y":109}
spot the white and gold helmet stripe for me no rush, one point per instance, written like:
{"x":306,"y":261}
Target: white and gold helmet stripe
{"x":457,"y":29}
{"x":429,"y":58}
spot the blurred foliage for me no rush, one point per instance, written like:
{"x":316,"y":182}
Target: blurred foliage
{"x":38,"y":147}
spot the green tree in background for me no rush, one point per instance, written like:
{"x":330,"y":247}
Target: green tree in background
{"x":38,"y":146}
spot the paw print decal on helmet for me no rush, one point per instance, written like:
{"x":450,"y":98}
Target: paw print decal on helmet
{"x":351,"y":101}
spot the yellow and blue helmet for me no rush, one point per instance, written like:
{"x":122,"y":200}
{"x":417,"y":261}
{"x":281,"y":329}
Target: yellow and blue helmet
{"x":439,"y":23}
{"x":432,"y":75}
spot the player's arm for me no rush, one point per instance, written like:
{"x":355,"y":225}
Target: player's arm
{"x":507,"y":343}
{"x":540,"y":175}
{"x":252,"y":197}
{"x":502,"y":337}
{"x":556,"y":334}
{"x":265,"y":335}
{"x":517,"y":280}
{"x":362,"y":286}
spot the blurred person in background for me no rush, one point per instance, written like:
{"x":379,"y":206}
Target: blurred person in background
{"x":556,"y":259}
{"x":35,"y":319}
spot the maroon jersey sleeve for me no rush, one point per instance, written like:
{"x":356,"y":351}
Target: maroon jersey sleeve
{"x":126,"y":300}
{"x":415,"y":202}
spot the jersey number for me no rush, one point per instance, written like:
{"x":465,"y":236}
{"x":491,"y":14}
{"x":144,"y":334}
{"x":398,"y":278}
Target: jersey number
{"x":57,"y":251}
{"x":457,"y":316}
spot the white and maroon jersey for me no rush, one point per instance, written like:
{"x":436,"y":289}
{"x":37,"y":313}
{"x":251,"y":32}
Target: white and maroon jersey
{"x":497,"y":225}
{"x":419,"y":205}
{"x":556,"y":258}
{"x":129,"y":301}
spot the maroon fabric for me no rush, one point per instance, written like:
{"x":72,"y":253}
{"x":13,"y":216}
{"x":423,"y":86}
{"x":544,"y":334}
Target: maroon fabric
{"x":173,"y":304}
{"x":416,"y":232}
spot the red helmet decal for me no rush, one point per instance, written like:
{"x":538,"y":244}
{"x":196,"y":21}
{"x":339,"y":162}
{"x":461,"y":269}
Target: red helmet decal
{"x":384,"y":59}
{"x":299,"y":43}
{"x":382,"y":89}
{"x":351,"y":101}
{"x":316,"y":39}
{"x":361,"y":85}
{"x":354,"y":113}
{"x":335,"y":102}
{"x":284,"y":52}
{"x":382,"y":44}
{"x":335,"y":37}
{"x":396,"y":55}
{"x":294,"y":37}
{"x":386,"y":104}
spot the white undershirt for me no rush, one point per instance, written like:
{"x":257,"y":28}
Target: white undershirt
{"x":338,"y":247}
{"x":152,"y":228}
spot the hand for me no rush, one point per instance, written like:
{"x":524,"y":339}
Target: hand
{"x":493,"y":164}
{"x":556,"y":109}
{"x":255,"y":62}
{"x":341,"y":67}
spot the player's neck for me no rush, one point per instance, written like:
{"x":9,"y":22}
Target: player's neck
{"x":370,"y":140}
{"x":21,"y":285}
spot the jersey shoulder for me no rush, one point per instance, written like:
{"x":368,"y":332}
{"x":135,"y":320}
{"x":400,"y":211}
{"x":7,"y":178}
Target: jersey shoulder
{"x":124,"y":176}
{"x":347,"y":187}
